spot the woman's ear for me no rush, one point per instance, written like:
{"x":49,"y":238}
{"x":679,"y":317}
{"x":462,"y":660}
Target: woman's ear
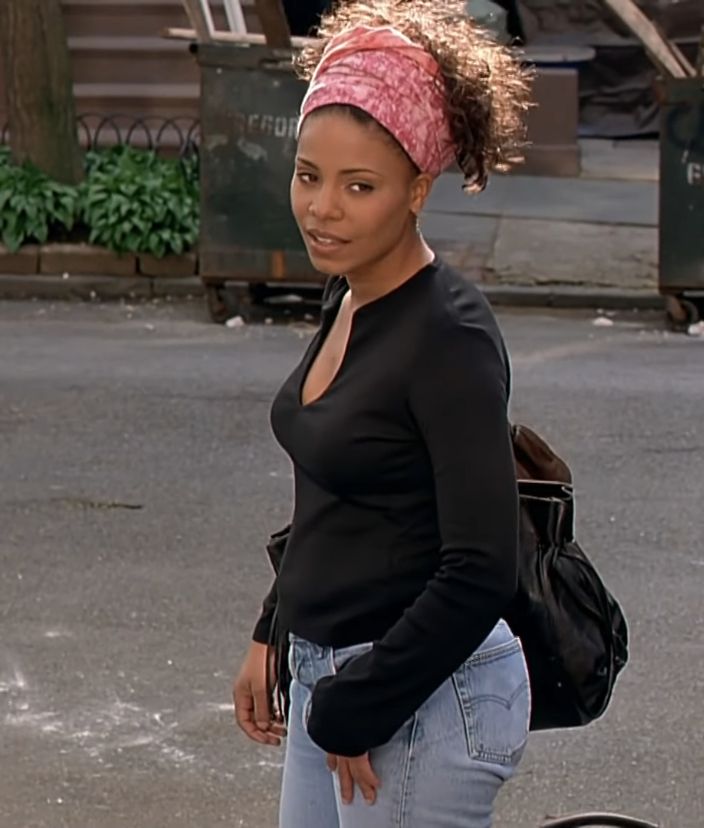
{"x":420,"y":190}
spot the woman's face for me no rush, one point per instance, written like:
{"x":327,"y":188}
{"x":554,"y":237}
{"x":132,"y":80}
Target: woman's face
{"x":353,"y":194}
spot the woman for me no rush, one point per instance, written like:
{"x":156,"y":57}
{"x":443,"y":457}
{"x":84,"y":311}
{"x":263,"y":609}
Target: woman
{"x":409,"y":692}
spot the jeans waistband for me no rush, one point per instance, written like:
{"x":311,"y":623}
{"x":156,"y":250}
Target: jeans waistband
{"x":309,"y":662}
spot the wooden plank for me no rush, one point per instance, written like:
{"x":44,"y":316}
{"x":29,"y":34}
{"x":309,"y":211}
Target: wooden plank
{"x":274,"y":23}
{"x":198,"y":12}
{"x":644,"y":29}
{"x":244,"y":38}
{"x":689,"y":70}
{"x":235,"y":16}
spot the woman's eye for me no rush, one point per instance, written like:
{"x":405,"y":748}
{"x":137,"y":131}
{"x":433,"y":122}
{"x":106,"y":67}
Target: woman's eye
{"x":306,"y":177}
{"x":361,"y":187}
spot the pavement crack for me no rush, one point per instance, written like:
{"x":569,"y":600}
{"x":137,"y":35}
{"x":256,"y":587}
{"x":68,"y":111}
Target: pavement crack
{"x":79,"y":503}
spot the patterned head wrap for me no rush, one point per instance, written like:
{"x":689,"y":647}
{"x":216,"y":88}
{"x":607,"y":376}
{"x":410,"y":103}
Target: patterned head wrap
{"x":398,"y":83}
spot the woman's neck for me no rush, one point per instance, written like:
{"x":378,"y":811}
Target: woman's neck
{"x":382,"y":276}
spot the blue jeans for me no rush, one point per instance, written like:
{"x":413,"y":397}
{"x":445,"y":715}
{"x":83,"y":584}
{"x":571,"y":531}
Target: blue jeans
{"x":442,"y":769}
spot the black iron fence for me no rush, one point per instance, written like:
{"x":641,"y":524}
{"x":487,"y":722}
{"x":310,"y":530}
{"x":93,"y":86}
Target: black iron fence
{"x":168,"y":136}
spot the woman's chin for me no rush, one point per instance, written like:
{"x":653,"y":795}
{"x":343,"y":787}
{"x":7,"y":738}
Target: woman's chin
{"x":327,"y":266}
{"x":324,"y":267}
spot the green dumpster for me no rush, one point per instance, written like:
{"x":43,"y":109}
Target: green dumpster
{"x":250,"y":100}
{"x":681,"y":271}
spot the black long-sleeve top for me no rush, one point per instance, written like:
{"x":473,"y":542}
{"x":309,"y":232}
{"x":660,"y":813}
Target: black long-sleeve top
{"x":405,"y":520}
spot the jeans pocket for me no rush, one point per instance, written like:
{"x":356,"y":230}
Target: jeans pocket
{"x":342,"y":656}
{"x":494,"y":696}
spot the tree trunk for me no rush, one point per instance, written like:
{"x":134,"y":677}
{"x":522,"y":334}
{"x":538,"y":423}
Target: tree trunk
{"x":40,"y":107}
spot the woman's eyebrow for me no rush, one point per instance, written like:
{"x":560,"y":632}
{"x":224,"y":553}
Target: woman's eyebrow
{"x":356,"y":170}
{"x":350,"y":171}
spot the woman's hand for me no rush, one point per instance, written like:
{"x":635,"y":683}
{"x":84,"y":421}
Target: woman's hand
{"x":252,"y":696}
{"x":353,"y":771}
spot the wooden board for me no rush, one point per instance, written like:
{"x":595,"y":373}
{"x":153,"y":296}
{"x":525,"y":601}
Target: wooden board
{"x":243,"y":38}
{"x":198,"y":13}
{"x":657,"y":47}
{"x":235,"y":16}
{"x":274,"y":23}
{"x":690,"y":71}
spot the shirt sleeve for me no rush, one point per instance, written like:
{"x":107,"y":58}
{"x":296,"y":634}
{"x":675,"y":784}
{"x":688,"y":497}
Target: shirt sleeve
{"x":262,"y":628}
{"x":459,"y":399}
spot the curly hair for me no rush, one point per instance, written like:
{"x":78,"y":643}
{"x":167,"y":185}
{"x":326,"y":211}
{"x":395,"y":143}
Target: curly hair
{"x":488,"y":90}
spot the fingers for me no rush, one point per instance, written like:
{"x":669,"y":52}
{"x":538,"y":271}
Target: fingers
{"x":278,"y":728}
{"x":344,"y":776}
{"x":355,"y":772}
{"x":250,"y":720}
{"x":365,"y":778}
{"x":244,"y":715}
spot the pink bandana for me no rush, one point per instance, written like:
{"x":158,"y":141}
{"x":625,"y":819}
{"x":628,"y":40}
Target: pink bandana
{"x":398,"y":83}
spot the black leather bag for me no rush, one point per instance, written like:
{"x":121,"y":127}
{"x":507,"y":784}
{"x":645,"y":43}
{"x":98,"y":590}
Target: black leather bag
{"x":573,"y":632}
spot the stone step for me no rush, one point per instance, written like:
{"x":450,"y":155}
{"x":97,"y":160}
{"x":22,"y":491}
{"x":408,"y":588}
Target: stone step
{"x":123,"y":18}
{"x":116,"y":47}
{"x":133,"y":60}
{"x":159,"y":99}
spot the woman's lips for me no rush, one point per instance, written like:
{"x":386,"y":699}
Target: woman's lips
{"x":324,"y":244}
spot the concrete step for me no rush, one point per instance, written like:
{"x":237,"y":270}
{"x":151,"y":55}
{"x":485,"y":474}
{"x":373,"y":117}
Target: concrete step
{"x":138,"y":99}
{"x":133,"y":59}
{"x":123,"y":18}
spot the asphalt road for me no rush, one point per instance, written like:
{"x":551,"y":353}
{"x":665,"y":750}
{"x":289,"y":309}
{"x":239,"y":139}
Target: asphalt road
{"x":138,"y":483}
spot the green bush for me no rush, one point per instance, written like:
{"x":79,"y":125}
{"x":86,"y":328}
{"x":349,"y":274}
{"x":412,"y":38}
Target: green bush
{"x":135,"y":201}
{"x":130,"y":201}
{"x":32,"y":206}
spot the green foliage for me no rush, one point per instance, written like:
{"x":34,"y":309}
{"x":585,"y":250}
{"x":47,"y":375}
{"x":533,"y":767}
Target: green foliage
{"x":130,"y":201}
{"x":31,"y":204}
{"x":135,"y":201}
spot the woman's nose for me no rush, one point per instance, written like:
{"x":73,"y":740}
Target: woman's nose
{"x":324,"y":204}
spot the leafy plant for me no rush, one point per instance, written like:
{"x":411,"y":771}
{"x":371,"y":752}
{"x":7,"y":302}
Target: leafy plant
{"x":135,"y":201}
{"x":130,"y":200}
{"x":31,"y":204}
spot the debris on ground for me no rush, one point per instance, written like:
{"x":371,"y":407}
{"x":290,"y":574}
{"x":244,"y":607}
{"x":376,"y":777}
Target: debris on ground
{"x":235,"y":322}
{"x":602,"y":322}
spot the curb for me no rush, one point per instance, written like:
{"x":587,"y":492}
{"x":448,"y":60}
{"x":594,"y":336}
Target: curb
{"x":104,"y":288}
{"x":114,"y":288}
{"x":568,"y":297}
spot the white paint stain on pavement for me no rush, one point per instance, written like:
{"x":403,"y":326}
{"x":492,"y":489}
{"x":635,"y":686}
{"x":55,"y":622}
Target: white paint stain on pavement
{"x":58,"y":634}
{"x":100,"y":730}
{"x":13,"y":682}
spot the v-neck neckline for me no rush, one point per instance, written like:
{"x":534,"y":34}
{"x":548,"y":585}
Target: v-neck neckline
{"x":330,"y":316}
{"x":322,"y":335}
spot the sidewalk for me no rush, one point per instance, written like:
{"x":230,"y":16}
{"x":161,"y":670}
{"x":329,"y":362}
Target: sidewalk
{"x":591,"y":240}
